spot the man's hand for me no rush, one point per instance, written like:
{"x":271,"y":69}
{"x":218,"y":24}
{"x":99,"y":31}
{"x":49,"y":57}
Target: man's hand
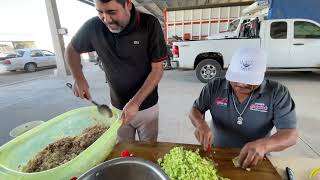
{"x":81,"y":89}
{"x":252,"y":153}
{"x":129,"y":111}
{"x":204,"y":136}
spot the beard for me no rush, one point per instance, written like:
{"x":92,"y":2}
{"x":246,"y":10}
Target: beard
{"x":114,"y":30}
{"x":117,"y":26}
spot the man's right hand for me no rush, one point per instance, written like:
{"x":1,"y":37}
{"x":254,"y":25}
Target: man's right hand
{"x":204,"y":136}
{"x":81,"y":89}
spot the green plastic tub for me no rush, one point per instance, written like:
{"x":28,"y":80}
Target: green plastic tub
{"x":20,"y":150}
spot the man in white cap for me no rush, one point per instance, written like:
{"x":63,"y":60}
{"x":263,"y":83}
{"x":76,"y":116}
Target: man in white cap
{"x":244,"y":108}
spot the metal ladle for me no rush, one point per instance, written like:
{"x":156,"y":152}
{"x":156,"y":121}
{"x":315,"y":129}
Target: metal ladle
{"x":102,"y":108}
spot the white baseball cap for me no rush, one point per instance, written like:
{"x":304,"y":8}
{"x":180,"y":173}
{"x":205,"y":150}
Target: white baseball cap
{"x":248,"y":66}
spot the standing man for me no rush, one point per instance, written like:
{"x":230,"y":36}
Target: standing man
{"x":168,"y":61}
{"x":244,"y":108}
{"x":132,"y":49}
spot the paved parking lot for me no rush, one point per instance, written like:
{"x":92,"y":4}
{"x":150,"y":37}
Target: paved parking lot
{"x":47,"y":97}
{"x":7,"y":77}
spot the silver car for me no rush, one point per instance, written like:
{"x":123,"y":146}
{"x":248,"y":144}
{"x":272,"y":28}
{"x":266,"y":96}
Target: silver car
{"x":28,"y":60}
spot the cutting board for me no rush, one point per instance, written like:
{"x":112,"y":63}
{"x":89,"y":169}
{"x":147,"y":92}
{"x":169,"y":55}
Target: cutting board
{"x":223,"y":157}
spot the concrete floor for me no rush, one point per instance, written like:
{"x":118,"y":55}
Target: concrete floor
{"x":47,"y":97}
{"x":7,"y":77}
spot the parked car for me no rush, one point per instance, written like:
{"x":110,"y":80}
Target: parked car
{"x":28,"y":60}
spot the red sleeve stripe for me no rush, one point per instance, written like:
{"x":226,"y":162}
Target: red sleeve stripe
{"x":160,"y":59}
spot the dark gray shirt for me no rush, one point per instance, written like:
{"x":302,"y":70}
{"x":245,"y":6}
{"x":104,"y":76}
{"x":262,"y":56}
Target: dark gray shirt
{"x":270,"y":106}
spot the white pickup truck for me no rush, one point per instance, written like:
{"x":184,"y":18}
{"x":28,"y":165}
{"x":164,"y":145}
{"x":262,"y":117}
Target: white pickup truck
{"x":291,"y":45}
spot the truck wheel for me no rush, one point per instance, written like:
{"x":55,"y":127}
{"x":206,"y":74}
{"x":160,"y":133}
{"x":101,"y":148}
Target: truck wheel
{"x":30,"y":67}
{"x":208,"y":69}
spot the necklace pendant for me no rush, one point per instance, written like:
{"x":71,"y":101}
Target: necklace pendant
{"x":240,"y":119}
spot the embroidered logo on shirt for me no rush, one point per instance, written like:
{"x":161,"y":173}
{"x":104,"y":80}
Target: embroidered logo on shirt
{"x":260,"y":107}
{"x":136,"y":42}
{"x":221,"y":102}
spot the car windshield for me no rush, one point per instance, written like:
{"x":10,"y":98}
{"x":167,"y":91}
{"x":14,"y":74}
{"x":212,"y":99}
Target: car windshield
{"x":233,"y":25}
{"x":20,"y":53}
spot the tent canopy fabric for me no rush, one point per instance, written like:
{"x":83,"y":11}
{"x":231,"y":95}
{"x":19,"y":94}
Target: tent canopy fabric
{"x":282,"y":9}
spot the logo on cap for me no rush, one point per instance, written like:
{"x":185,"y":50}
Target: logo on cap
{"x":246,"y":65}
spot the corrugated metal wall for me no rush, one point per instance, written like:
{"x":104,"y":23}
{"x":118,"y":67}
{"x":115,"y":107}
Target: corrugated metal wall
{"x":200,"y":23}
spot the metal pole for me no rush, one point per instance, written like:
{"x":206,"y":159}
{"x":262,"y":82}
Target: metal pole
{"x":218,"y":28}
{"x":183,"y":23}
{"x":57,"y":39}
{"x":174,"y":23}
{"x":165,"y":28}
{"x":209,"y":28}
{"x":191,"y":34}
{"x":229,"y":14}
{"x":200,"y":29}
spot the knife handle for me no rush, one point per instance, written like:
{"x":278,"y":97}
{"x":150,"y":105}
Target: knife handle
{"x":289,"y":173}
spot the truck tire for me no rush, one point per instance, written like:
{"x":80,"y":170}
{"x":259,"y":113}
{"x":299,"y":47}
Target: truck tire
{"x":208,"y":69}
{"x":30,"y":67}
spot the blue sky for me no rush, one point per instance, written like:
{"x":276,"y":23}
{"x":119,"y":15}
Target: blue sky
{"x":28,"y":18}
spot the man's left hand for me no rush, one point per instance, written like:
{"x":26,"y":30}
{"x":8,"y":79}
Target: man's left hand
{"x":252,"y":153}
{"x":129,"y":111}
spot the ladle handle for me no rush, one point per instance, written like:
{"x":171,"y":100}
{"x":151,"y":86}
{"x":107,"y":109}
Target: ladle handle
{"x":93,"y":102}
{"x":69,"y":85}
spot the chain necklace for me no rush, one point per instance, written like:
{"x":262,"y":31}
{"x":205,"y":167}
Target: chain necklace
{"x":240,"y":119}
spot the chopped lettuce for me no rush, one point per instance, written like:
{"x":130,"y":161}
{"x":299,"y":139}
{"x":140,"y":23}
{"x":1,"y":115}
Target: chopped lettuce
{"x":181,"y":164}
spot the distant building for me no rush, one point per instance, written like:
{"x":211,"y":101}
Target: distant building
{"x":10,"y":42}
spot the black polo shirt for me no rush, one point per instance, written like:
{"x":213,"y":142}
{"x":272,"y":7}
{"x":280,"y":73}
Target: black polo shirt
{"x":270,"y":106}
{"x":127,"y":56}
